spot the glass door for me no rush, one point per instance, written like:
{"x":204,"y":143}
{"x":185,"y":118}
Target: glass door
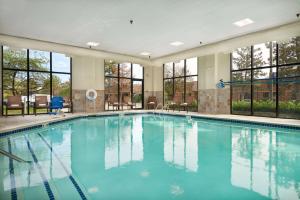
{"x":137,"y":94}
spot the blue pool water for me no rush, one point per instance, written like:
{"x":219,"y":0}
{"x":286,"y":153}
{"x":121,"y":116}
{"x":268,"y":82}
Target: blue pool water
{"x":151,"y":157}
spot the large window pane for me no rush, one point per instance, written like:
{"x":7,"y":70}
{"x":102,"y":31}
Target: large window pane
{"x":265,"y":73}
{"x":39,"y":85}
{"x":264,"y":54}
{"x":137,"y":71}
{"x":289,"y":98}
{"x":241,"y":76}
{"x":125,"y":70}
{"x":289,"y":52}
{"x":111,"y":68}
{"x":179,"y":68}
{"x":60,"y":63}
{"x":289,"y":71}
{"x":39,"y":60}
{"x":168,"y":90}
{"x":241,"y":58}
{"x":14,"y":58}
{"x":264,"y":98}
{"x":14,"y":84}
{"x":111,"y":92}
{"x":36,"y":64}
{"x":178,"y":90}
{"x":191,"y":66}
{"x":181,"y":87}
{"x":137,"y":97}
{"x":168,"y":70}
{"x":241,"y":92}
{"x":191,"y":92}
{"x":241,"y":98}
{"x":118,"y":90}
{"x":61,"y":86}
{"x":125,"y":92}
{"x":265,"y":64}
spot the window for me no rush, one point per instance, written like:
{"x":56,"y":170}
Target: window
{"x":39,"y":60}
{"x":264,"y":54}
{"x":30,"y":73}
{"x":241,"y":58}
{"x":60,"y":63}
{"x":268,"y":83}
{"x":181,"y":83}
{"x":289,"y":52}
{"x":123,"y":85}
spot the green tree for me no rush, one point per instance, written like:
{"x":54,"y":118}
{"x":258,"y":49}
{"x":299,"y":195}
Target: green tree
{"x":14,"y":81}
{"x":241,"y":59}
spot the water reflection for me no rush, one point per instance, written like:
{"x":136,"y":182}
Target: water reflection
{"x":27,"y":175}
{"x":124,"y":142}
{"x":181,"y":144}
{"x":113,"y":157}
{"x":266,"y":162}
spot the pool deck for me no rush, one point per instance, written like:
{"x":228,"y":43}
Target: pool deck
{"x":17,"y":122}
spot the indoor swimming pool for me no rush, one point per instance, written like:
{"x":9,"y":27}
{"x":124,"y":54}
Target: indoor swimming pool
{"x":150,"y":156}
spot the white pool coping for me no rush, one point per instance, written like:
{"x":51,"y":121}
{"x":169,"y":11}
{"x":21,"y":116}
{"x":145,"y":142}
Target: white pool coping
{"x":12,"y":123}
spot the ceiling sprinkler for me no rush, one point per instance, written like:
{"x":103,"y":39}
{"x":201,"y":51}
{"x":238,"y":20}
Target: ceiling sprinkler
{"x":298,"y":15}
{"x":131,"y":21}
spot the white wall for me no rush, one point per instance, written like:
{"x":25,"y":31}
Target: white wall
{"x":87,"y":72}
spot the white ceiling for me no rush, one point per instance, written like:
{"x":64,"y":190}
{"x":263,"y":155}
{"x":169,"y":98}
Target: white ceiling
{"x":156,"y":22}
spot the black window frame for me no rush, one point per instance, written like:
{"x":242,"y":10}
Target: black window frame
{"x":131,"y":78}
{"x":185,"y":76}
{"x":28,"y":70}
{"x":252,"y":81}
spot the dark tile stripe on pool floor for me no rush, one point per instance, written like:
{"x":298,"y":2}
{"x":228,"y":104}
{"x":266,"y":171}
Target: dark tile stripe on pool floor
{"x":77,"y":187}
{"x":45,"y":181}
{"x":13,"y":189}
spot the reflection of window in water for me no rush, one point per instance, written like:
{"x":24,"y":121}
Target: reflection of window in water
{"x":28,"y":175}
{"x":124,"y":143}
{"x":256,"y":164}
{"x":181,"y":145}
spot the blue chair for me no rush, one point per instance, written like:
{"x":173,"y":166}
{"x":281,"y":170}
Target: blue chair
{"x":56,"y":104}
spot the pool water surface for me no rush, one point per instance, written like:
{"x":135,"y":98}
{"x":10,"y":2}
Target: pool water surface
{"x":147,"y":156}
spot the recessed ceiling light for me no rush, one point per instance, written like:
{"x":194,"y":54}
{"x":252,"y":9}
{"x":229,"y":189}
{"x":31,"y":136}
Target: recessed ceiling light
{"x":92,"y":44}
{"x":145,"y":53}
{"x":176,"y":43}
{"x":243,"y":22}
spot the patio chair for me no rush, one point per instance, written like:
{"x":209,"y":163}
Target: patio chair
{"x":41,"y":102}
{"x":152,"y":102}
{"x":172,"y":105}
{"x":184,"y":106}
{"x":127,"y":102}
{"x":113,"y":102}
{"x":67,"y":103}
{"x":14,"y":103}
{"x":130,"y":104}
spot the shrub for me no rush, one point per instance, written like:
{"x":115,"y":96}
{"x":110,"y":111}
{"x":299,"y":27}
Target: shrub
{"x":289,"y":107}
{"x":292,"y":107}
{"x":241,"y":105}
{"x":264,"y":106}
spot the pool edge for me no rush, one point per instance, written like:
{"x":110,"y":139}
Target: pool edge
{"x":31,"y":126}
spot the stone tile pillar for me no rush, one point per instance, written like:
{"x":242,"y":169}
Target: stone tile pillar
{"x":212,"y":68}
{"x":82,"y":104}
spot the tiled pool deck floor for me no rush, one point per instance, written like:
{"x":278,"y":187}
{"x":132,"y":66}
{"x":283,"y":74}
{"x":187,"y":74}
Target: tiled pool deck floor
{"x":18,"y":122}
